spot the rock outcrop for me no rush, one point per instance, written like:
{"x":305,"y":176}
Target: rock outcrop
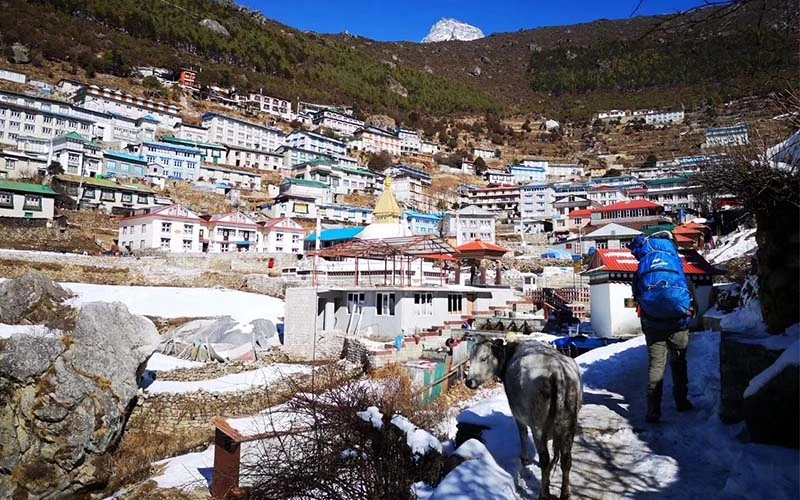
{"x":65,"y":395}
{"x":19,"y":54}
{"x":216,"y":27}
{"x":384,"y":122}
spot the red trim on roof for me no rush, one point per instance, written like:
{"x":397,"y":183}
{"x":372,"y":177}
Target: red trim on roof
{"x":584,"y":212}
{"x":628,"y":205}
{"x":623,"y":261}
{"x":480,"y":246}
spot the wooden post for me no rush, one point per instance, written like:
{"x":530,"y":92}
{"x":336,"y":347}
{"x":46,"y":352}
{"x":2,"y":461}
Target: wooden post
{"x":498,"y":272}
{"x":227,"y":458}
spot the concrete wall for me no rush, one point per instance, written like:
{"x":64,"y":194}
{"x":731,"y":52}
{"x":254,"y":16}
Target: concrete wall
{"x":18,"y":210}
{"x":610,"y":317}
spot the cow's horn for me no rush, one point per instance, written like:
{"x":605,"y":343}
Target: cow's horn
{"x":511,"y":337}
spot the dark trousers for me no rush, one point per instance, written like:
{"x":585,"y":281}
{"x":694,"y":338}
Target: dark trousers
{"x":659,"y":344}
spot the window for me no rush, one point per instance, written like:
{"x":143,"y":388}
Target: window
{"x":278,"y":236}
{"x":32,"y":202}
{"x":166,"y":227}
{"x":124,"y":230}
{"x":29,"y":127}
{"x":107,"y":195}
{"x":142,"y":198}
{"x":455,"y":302}
{"x":165,"y":242}
{"x":11,"y":164}
{"x":385,"y":304}
{"x":127,"y":198}
{"x":141,"y":243}
{"x":6,"y":200}
{"x":187,"y":244}
{"x":188,"y":228}
{"x":144,"y":228}
{"x":295,"y":238}
{"x":355,"y":302}
{"x":423,"y":304}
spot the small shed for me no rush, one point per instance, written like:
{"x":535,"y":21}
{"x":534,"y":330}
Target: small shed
{"x":613,"y":310}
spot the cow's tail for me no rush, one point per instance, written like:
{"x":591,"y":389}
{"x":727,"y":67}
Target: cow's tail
{"x":553,"y":418}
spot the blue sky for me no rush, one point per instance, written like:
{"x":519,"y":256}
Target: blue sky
{"x":410,"y":20}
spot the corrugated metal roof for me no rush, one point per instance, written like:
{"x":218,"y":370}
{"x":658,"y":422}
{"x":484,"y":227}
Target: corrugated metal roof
{"x":623,"y":261}
{"x":342,"y":233}
{"x":25,"y":187}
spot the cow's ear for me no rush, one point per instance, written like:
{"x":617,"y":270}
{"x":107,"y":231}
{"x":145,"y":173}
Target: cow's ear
{"x":498,"y":343}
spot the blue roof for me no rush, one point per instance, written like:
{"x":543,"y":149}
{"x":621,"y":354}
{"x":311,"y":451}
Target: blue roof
{"x":169,"y":145}
{"x":343,"y":233}
{"x":411,"y":214}
{"x":123,"y":156}
{"x":527,"y":167}
{"x":556,"y":253}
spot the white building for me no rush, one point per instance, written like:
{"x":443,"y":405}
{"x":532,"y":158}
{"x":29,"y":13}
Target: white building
{"x":605,"y":195}
{"x":565,"y":172}
{"x":410,"y":186}
{"x":13,"y":76}
{"x":338,"y":122}
{"x":469,"y":224}
{"x":261,"y":103}
{"x":109,"y":196}
{"x":524,"y":174}
{"x":260,"y":159}
{"x":282,"y":235}
{"x":344,"y":213}
{"x":410,"y":142}
{"x":20,"y":200}
{"x":536,"y":202}
{"x":227,"y":130}
{"x":15,"y":164}
{"x":659,"y":117}
{"x":375,"y":140}
{"x":292,"y":206}
{"x":172,"y":228}
{"x":500,"y":200}
{"x":736,"y":135}
{"x":179,"y":161}
{"x":494,"y":176}
{"x":191,"y":132}
{"x":293,"y":156}
{"x":317,"y":143}
{"x":239,"y":177}
{"x":231,"y":232}
{"x":107,"y":100}
{"x":22,"y":115}
{"x":341,"y":180}
{"x":318,"y":191}
{"x":486,"y":154}
{"x":77,"y":155}
{"x":428,"y":148}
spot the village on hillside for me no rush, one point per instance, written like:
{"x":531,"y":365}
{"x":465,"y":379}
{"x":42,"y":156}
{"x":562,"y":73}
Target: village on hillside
{"x":239,"y":296}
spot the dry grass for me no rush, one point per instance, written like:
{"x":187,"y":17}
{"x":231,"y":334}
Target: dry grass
{"x":139,"y":448}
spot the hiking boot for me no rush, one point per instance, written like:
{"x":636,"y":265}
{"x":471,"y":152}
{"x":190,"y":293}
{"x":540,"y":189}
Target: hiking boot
{"x":653,"y":416}
{"x":684,"y":405}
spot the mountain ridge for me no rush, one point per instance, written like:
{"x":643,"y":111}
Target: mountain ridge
{"x":449,"y":29}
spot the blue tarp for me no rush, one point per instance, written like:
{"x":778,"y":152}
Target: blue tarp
{"x":555,"y":253}
{"x":344,"y":233}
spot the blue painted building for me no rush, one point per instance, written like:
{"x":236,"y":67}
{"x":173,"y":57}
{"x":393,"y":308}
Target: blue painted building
{"x":525,"y":174}
{"x":421,"y":223}
{"x":123,"y":165}
{"x":178,"y":161}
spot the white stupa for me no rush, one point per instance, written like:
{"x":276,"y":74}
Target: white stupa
{"x":388,"y":217}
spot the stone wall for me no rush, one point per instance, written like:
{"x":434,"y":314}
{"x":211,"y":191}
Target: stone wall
{"x":739,"y":362}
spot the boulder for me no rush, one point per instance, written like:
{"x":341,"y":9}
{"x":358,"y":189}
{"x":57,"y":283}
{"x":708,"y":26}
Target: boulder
{"x":476,"y":71}
{"x":216,"y":27}
{"x":772,"y":400}
{"x":31,"y":299}
{"x":19,"y":54}
{"x":397,"y":87}
{"x":65,"y":396}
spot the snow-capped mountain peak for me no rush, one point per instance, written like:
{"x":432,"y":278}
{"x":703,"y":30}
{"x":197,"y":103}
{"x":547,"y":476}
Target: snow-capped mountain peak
{"x":447,"y":29}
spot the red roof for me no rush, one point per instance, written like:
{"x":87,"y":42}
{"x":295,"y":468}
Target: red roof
{"x":623,"y":261}
{"x":603,"y":188}
{"x":584,"y":212}
{"x":637,"y":191}
{"x":679,"y":238}
{"x":480,"y":246}
{"x":687,"y":230}
{"x":628,"y":205}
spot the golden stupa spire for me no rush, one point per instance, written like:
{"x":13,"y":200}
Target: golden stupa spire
{"x":387,"y":209}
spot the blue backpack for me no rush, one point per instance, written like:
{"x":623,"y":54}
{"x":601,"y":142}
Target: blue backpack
{"x":660,"y":285}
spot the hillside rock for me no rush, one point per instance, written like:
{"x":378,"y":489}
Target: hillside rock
{"x":65,"y":398}
{"x":475,"y":71}
{"x":451,"y":29}
{"x":19,"y":54}
{"x":382,"y":121}
{"x":397,"y":87}
{"x":216,"y":27}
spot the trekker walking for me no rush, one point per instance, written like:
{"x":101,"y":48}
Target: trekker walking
{"x":666,"y":306}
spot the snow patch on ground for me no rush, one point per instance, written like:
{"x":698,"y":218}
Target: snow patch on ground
{"x":8,"y":331}
{"x":736,"y":244}
{"x":175,"y":302}
{"x":243,"y":381}
{"x":161,"y":363}
{"x":746,"y":319}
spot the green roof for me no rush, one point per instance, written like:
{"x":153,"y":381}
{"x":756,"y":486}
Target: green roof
{"x":104,"y":183}
{"x":669,"y":180}
{"x":76,"y":136}
{"x":305,"y":182}
{"x":24,"y":187}
{"x":354,"y":170}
